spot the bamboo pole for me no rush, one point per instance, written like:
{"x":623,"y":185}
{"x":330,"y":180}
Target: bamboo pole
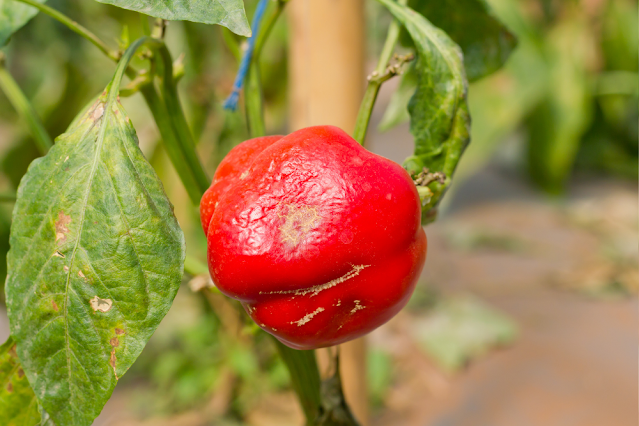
{"x":326,"y":62}
{"x":327,"y":82}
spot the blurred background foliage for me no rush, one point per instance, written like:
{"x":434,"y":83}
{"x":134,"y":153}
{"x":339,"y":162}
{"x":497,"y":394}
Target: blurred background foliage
{"x":568,"y":94}
{"x":565,"y":101}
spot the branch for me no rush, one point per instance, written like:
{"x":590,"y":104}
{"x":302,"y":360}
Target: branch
{"x":74,"y":26}
{"x":368,"y":102}
{"x":391,"y":71}
{"x":144,"y":78}
{"x":185,"y":140}
{"x":253,"y":96}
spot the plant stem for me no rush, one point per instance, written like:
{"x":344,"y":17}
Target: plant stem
{"x":267,"y":27}
{"x":368,"y":102}
{"x":305,"y":378}
{"x":163,"y":120}
{"x":82,"y":31}
{"x":85,"y":33}
{"x":143,"y":78}
{"x":24,"y":108}
{"x":144,"y":22}
{"x":163,"y":116}
{"x":253,"y":96}
{"x":194,"y":267}
{"x":123,"y":64}
{"x":8,"y":197}
{"x":254,"y":102}
{"x":159,"y":28}
{"x":74,"y":26}
{"x":186,"y":144}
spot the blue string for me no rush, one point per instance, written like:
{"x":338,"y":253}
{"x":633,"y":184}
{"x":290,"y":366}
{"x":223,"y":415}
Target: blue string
{"x":231,"y":101}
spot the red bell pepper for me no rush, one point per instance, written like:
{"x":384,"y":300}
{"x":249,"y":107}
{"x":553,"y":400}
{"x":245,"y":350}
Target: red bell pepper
{"x":319,"y":238}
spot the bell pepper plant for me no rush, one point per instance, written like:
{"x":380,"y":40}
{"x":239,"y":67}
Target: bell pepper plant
{"x":319,"y":239}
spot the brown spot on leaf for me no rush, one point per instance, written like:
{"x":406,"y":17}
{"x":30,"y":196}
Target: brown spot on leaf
{"x":102,"y":305}
{"x":66,"y":268}
{"x":20,"y":373}
{"x":12,"y":352}
{"x":55,"y":306}
{"x":97,"y":112}
{"x":9,"y":387}
{"x":58,"y":254}
{"x":119,"y":331}
{"x":115,"y":342}
{"x":81,"y":275}
{"x":61,"y":229}
{"x":112,"y":360}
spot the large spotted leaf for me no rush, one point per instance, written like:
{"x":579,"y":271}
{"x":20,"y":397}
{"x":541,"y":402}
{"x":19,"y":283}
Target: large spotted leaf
{"x":96,"y":259}
{"x":18,"y":404}
{"x":439,"y":119}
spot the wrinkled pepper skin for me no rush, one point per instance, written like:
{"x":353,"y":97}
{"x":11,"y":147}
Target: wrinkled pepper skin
{"x":318,"y":238}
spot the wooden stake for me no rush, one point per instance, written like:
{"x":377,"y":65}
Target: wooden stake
{"x":327,"y":82}
{"x":327,"y":78}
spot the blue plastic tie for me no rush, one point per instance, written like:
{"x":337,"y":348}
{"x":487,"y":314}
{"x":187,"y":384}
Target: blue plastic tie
{"x":234,"y":97}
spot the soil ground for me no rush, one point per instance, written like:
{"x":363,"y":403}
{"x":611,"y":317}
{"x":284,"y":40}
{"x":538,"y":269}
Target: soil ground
{"x":575,"y":360}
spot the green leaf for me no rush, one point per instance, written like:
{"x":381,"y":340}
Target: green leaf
{"x":96,"y":259}
{"x":499,"y":104}
{"x":397,"y":110}
{"x":18,"y":404}
{"x":558,"y":123}
{"x":620,"y":44}
{"x":439,"y":112}
{"x":228,"y":13}
{"x":13,"y":16}
{"x":485,"y":41}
